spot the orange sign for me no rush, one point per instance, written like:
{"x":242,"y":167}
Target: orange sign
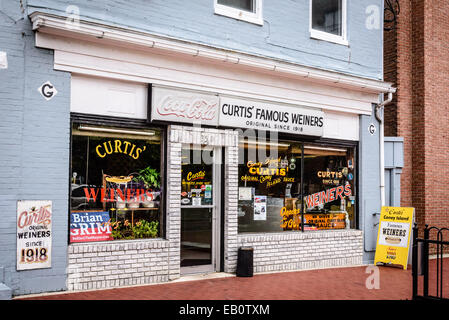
{"x":324,"y":221}
{"x":291,"y":220}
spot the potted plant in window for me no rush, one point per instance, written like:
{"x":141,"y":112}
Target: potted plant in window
{"x":145,"y":229}
{"x":151,"y":179}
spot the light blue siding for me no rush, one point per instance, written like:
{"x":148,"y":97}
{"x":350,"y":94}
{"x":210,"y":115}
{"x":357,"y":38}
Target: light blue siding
{"x":34,"y":149}
{"x":369,"y":185}
{"x":394,"y":162}
{"x":284,"y":34}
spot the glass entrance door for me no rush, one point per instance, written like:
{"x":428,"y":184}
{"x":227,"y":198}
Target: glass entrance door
{"x":196,"y":237}
{"x":199,"y":209}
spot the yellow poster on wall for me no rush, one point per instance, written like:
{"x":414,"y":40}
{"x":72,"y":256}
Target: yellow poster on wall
{"x":393,"y":237}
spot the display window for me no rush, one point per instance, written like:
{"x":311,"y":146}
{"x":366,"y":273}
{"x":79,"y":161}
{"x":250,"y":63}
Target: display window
{"x":269,"y":186}
{"x":275,"y":176}
{"x":115,"y":183}
{"x":329,"y":187}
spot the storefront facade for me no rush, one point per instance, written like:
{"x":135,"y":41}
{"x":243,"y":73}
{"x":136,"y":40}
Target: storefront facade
{"x":218,"y":200}
{"x":178,"y":154}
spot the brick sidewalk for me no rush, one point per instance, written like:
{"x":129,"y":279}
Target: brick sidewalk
{"x":325,"y":284}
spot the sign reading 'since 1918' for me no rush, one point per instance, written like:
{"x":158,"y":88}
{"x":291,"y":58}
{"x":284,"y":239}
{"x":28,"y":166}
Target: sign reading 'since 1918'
{"x":34,"y":235}
{"x":208,"y":109}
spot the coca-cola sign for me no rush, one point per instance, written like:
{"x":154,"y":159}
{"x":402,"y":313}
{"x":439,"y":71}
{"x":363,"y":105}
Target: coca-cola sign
{"x":184,"y":106}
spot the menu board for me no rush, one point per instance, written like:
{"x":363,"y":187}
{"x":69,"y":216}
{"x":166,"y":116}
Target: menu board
{"x":393,"y":237}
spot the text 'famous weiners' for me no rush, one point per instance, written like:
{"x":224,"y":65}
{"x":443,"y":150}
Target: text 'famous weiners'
{"x":271,"y":115}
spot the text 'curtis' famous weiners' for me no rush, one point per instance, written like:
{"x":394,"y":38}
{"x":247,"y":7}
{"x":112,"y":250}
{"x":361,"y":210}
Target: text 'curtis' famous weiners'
{"x":271,"y":115}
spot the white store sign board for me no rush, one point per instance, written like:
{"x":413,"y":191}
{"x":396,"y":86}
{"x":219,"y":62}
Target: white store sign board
{"x":174,"y":105}
{"x":34,"y":234}
{"x":251,"y":114}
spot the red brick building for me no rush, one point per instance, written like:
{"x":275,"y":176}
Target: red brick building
{"x":416,"y":61}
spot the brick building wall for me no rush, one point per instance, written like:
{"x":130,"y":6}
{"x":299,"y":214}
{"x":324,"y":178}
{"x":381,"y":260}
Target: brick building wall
{"x":416,"y":57}
{"x":436,"y":104}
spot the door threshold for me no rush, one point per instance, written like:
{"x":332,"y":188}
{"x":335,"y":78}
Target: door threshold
{"x":201,"y":269}
{"x":203,"y":276}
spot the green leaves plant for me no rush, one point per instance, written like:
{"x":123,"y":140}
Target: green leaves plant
{"x":145,"y":229}
{"x":141,"y":229}
{"x":150,"y":177}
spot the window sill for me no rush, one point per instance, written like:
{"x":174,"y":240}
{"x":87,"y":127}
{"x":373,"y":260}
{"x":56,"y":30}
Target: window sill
{"x":298,"y":233}
{"x":319,"y":35}
{"x":124,"y":241}
{"x":241,"y":15}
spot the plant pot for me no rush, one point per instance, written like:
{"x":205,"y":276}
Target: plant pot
{"x":148,"y":204}
{"x":120,"y":204}
{"x":133,"y":205}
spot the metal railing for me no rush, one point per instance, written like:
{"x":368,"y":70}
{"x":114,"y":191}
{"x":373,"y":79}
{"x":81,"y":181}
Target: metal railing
{"x":420,"y":262}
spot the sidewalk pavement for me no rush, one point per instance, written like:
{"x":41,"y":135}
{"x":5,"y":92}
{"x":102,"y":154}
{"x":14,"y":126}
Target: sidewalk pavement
{"x":345,"y":283}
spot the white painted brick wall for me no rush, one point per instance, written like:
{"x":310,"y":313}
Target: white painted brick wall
{"x":114,"y":264}
{"x":308,"y":250}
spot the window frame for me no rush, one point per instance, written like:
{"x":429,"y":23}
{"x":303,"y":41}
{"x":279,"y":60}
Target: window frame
{"x":125,"y":123}
{"x":255,"y":17}
{"x":325,"y":143}
{"x":326,"y":36}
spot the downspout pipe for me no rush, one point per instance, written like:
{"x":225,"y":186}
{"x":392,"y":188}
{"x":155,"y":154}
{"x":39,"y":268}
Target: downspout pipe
{"x":379,"y":114}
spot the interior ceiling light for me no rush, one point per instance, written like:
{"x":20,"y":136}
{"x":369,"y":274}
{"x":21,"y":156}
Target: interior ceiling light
{"x":110,"y":130}
{"x":264,"y":143}
{"x":325,"y":148}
